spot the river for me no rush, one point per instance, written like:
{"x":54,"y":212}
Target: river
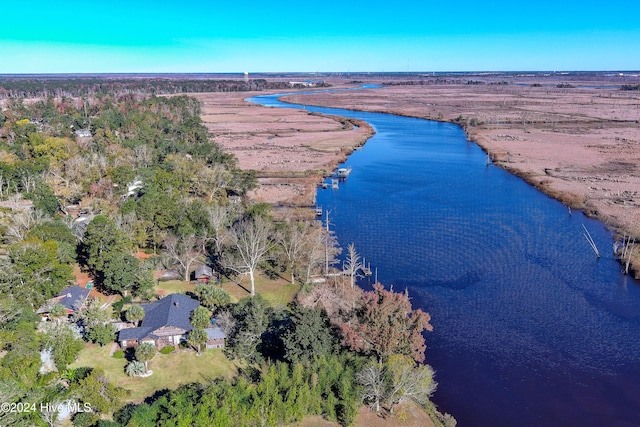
{"x":530,"y":328}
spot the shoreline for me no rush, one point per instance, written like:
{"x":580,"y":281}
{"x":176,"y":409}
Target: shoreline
{"x":585,"y":161}
{"x":291,"y":150}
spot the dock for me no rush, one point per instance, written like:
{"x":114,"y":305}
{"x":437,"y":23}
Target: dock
{"x":344,"y":172}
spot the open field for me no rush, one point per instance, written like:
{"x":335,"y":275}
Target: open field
{"x":289,"y":149}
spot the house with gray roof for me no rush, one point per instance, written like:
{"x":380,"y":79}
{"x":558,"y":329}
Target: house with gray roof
{"x":166,"y":322}
{"x":72,"y":298}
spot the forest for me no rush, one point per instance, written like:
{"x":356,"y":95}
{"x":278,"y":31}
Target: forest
{"x":17,"y":87}
{"x":91,"y":177}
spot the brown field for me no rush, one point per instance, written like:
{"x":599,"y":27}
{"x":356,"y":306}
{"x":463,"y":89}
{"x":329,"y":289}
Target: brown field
{"x":290,"y":149}
{"x":580,"y":145}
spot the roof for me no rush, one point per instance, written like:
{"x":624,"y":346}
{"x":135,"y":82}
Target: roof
{"x":215,"y":333}
{"x":204,"y":270}
{"x":171,"y":311}
{"x":73,"y":297}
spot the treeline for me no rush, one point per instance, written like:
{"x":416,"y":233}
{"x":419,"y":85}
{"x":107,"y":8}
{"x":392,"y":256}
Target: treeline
{"x":91,"y":181}
{"x":630,"y":87}
{"x":18,"y":87}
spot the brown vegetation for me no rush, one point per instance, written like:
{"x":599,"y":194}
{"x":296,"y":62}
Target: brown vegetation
{"x":580,"y":144}
{"x":290,"y":149}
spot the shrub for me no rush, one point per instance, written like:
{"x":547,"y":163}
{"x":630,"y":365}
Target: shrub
{"x":118,"y":354}
{"x":168,"y":349}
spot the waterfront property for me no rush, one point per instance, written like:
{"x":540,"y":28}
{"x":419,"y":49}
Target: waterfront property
{"x":167,"y":322}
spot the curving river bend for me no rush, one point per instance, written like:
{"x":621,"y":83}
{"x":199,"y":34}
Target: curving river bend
{"x":530,"y":329}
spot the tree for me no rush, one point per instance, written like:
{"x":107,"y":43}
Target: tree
{"x":212,"y":296}
{"x":120,"y":273}
{"x":352,"y":264}
{"x":58,"y":312}
{"x":101,"y":243}
{"x":64,"y":343}
{"x":197,"y":337}
{"x":95,"y":313}
{"x":250,"y":242}
{"x":33,"y":272}
{"x":252,"y":316}
{"x":293,"y":239}
{"x":386,"y":324}
{"x":134,"y":314}
{"x":200,"y":318}
{"x":185,"y":250}
{"x":135,"y":368}
{"x":309,"y":336}
{"x":145,"y":352}
{"x":96,"y":390}
{"x":374,"y":386}
{"x":408,"y":380}
{"x":102,"y":334}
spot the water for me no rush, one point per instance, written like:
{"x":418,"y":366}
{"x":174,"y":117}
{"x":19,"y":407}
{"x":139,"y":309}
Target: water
{"x":530,"y":329}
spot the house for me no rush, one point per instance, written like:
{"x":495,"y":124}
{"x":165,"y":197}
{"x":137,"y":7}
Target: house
{"x":73,"y":299}
{"x":166,"y":322}
{"x":83,"y":133}
{"x":203,"y":274}
{"x":215,"y":338}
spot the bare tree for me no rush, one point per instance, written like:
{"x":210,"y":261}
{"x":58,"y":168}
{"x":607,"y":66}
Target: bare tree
{"x":320,"y":250}
{"x":250,"y":242}
{"x":293,"y":240}
{"x":218,"y":221}
{"x":374,"y":387}
{"x":352,"y":265}
{"x":226,"y":322}
{"x":185,"y":250}
{"x":22,"y":222}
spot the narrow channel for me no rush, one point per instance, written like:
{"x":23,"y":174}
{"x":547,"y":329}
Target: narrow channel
{"x":530,"y":328}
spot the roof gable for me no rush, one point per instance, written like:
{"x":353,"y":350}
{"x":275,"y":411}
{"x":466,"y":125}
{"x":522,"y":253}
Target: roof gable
{"x":73,"y":297}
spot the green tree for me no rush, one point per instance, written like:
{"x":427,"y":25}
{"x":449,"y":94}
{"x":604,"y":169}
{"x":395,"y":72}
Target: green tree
{"x":201,"y":318}
{"x":134,"y":314}
{"x":309,"y":336}
{"x":103,"y":396}
{"x":145,"y":352}
{"x":64,"y":343}
{"x":135,"y":368}
{"x":102,"y":334}
{"x":197,"y":337}
{"x":120,"y":273}
{"x":34,"y":273}
{"x":212,"y":296}
{"x":102,"y":241}
{"x":44,"y":199}
{"x":253,"y":316}
{"x":58,"y":312}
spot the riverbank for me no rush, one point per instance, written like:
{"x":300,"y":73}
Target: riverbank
{"x":290,"y":150}
{"x":578,"y":144}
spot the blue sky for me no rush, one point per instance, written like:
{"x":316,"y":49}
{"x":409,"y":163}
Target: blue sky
{"x":405,"y":35}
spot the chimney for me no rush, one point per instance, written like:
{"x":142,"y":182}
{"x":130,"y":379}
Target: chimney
{"x":176,"y":304}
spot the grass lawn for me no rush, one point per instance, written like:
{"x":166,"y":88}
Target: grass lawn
{"x":278,"y":292}
{"x":175,"y":286}
{"x":169,"y":370}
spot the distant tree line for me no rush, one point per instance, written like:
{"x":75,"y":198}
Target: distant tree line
{"x":42,"y":87}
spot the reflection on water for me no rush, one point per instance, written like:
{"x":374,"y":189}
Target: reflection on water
{"x":530,"y":329}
